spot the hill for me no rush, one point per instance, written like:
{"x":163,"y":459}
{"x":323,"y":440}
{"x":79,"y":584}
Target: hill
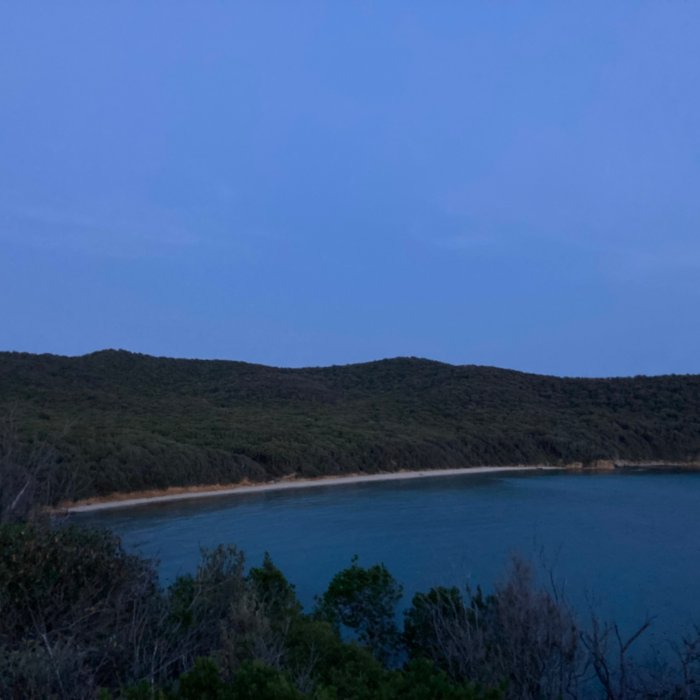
{"x":122,"y":421}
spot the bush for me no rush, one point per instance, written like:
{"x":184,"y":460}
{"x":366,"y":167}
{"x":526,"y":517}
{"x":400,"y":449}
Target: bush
{"x":73,"y":603}
{"x":80,"y":618}
{"x":522,"y":635}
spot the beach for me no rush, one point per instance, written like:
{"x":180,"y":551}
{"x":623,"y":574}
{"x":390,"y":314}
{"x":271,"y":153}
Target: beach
{"x":186,"y":493}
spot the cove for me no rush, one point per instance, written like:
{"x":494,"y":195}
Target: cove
{"x":626,"y":544}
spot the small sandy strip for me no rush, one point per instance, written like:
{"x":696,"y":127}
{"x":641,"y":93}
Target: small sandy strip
{"x":288,"y":484}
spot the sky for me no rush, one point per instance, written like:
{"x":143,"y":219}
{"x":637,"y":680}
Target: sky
{"x":315,"y":183}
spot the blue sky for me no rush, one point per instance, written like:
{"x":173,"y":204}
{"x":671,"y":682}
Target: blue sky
{"x":511,"y":184}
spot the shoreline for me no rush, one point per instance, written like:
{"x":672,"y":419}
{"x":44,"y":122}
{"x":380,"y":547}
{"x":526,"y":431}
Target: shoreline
{"x":182,"y":493}
{"x":128,"y":500}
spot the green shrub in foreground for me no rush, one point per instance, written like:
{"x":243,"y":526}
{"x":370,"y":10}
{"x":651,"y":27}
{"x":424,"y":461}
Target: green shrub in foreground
{"x":80,"y":618}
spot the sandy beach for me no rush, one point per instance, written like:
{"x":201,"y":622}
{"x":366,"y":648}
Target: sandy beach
{"x":181,"y":494}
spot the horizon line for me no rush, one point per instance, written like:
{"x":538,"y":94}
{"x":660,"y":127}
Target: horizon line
{"x":346,"y":364}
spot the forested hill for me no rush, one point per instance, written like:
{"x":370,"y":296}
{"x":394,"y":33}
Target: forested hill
{"x":124,"y":421}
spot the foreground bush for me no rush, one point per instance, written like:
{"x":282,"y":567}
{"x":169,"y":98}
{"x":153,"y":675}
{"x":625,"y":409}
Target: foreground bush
{"x":76,"y":612}
{"x":80,"y":618}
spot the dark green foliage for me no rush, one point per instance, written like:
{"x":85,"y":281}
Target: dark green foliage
{"x":364,"y":601}
{"x":122,"y":422}
{"x":74,"y":611}
{"x":274,"y":591}
{"x":355,"y":677}
{"x":421,"y":680}
{"x":443,"y":605}
{"x":80,"y":619}
{"x":30,"y":475}
{"x":49,"y":576}
{"x":199,"y":605}
{"x":203,"y":682}
{"x":255,"y":681}
{"x":520,"y":635}
{"x":334,"y":669}
{"x":139,"y":691}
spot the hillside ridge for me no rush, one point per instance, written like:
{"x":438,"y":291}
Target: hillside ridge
{"x":123,"y":421}
{"x":123,"y":353}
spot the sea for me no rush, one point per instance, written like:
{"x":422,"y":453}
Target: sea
{"x":621,"y":545}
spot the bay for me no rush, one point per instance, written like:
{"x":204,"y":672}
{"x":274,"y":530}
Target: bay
{"x":625,"y":544}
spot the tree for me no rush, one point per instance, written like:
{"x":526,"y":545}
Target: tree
{"x":30,"y":477}
{"x":521,"y":635}
{"x":425,"y":622}
{"x":364,"y":601}
{"x":273,"y":590}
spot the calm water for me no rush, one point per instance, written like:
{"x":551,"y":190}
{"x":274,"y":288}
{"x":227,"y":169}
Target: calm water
{"x":629,"y":544}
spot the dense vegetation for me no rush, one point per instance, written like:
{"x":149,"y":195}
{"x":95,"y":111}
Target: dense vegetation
{"x":120,"y":421}
{"x":80,"y":618}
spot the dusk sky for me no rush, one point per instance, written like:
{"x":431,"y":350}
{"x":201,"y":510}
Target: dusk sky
{"x":302,"y":183}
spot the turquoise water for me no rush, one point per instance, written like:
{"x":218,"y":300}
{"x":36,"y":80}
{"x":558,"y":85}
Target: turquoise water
{"x":626,"y":544}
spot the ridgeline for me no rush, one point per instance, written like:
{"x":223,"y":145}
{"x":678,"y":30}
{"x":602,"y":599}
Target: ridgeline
{"x":126,"y":422}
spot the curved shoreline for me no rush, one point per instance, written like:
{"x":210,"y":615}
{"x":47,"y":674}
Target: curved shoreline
{"x":181,"y":493}
{"x":188,"y":493}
